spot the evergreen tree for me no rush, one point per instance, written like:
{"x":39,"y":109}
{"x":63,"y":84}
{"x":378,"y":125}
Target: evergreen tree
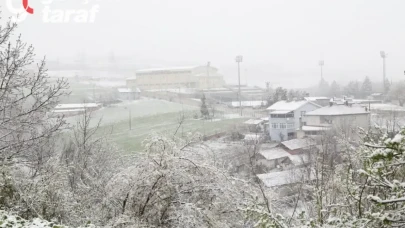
{"x":387,"y":86}
{"x":366,"y":88}
{"x":204,"y":109}
{"x":323,"y":87}
{"x":334,"y":89}
{"x":280,"y":94}
{"x":353,"y":89}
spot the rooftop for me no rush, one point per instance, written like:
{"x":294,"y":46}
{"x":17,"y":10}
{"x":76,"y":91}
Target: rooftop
{"x":314,"y":128}
{"x":77,"y":106}
{"x":128,"y":90}
{"x":184,"y":68}
{"x":316,"y":98}
{"x":254,"y":121}
{"x":298,"y":143}
{"x":280,"y":112}
{"x":338,"y":110}
{"x":299,"y":159}
{"x":248,"y":103}
{"x":386,"y":107}
{"x":288,"y":105}
{"x":274,"y":153}
{"x":286,"y":177}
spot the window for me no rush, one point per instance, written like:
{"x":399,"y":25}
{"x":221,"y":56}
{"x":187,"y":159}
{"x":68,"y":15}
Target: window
{"x":282,"y":126}
{"x":274,"y":125}
{"x":303,"y":113}
{"x":290,"y":126}
{"x":326,"y":119}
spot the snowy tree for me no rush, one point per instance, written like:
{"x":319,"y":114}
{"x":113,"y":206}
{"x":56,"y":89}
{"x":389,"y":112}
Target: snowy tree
{"x":175,"y":186}
{"x":366,"y":87}
{"x":353,"y":89}
{"x":323,"y":87}
{"x":204,"y":109}
{"x":387,"y":85}
{"x":397,"y":92}
{"x":280,"y":95}
{"x":25,"y":99}
{"x":334,"y":89}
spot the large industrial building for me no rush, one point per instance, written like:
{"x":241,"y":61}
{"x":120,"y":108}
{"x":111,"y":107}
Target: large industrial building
{"x":197,"y":77}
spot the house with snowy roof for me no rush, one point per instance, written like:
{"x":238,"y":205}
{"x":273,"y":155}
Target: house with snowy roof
{"x":285,"y":116}
{"x":286,"y":177}
{"x":295,"y":152}
{"x":343,"y":117}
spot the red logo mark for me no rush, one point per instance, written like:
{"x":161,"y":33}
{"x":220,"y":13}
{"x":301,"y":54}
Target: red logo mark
{"x":27,"y":7}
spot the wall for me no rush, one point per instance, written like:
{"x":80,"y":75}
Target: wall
{"x":275,"y":134}
{"x":198,"y":77}
{"x":307,"y":108}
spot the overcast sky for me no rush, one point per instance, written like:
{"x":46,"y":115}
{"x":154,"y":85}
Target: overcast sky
{"x":281,"y":40}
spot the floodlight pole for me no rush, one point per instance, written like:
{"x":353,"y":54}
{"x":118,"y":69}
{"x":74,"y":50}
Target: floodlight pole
{"x":321,"y":63}
{"x":383,"y":56}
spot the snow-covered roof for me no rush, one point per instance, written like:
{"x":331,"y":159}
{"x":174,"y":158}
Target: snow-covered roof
{"x":286,"y":177}
{"x":280,"y":112}
{"x":386,"y":107}
{"x":253,"y":121}
{"x":248,"y":103}
{"x":274,"y":153}
{"x":316,"y":98}
{"x":128,"y":90}
{"x":184,"y":68}
{"x":124,"y":90}
{"x":68,"y":110}
{"x":174,"y":90}
{"x":294,"y":144}
{"x":265,"y":118}
{"x":289,"y":105}
{"x":299,"y":159}
{"x":314,"y":128}
{"x":77,"y":106}
{"x":337,"y":110}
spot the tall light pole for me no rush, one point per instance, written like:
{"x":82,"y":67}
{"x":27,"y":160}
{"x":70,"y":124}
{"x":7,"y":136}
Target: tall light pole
{"x":383,"y":56}
{"x":239,"y":59}
{"x":321,"y":63}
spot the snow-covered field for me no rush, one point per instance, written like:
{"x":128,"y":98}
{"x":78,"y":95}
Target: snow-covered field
{"x":139,"y":108}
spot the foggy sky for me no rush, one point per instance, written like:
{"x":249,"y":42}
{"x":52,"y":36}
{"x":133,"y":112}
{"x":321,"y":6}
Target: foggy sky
{"x":281,"y":40}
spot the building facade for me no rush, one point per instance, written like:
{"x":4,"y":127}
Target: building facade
{"x":285,"y":118}
{"x":197,"y":77}
{"x":345,"y":118}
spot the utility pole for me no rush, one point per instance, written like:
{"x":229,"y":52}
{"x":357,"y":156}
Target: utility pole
{"x":321,"y":63}
{"x":383,"y":56}
{"x":239,"y":59}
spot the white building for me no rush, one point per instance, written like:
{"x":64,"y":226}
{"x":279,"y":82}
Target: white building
{"x":197,"y":77}
{"x":285,"y":118}
{"x":128,"y":93}
{"x":342,"y":117}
